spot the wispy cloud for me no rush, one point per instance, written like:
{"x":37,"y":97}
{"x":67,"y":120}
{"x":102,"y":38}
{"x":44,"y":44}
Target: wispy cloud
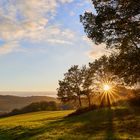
{"x":28,"y":20}
{"x":9,"y":47}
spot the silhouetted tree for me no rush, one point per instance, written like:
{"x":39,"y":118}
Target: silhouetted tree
{"x":86,"y":81}
{"x":87,"y":84}
{"x":117,"y":24}
{"x":103,"y":75}
{"x":126,"y":66}
{"x":102,"y":70}
{"x":70,"y":86}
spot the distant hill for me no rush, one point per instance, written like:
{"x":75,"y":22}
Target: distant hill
{"x":8,"y":102}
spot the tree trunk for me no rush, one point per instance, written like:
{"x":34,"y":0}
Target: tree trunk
{"x":89,"y":102}
{"x":108,"y":100}
{"x":79,"y":99}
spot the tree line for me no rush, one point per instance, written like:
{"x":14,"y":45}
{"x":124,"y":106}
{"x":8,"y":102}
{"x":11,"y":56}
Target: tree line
{"x":34,"y":107}
{"x":86,"y":81}
{"x":117,"y":24}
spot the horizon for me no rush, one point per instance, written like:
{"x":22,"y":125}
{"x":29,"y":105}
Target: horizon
{"x":29,"y":93}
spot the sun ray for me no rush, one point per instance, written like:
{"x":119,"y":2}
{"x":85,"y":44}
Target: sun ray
{"x":108,"y":87}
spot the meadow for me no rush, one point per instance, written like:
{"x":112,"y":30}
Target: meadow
{"x":101,"y":124}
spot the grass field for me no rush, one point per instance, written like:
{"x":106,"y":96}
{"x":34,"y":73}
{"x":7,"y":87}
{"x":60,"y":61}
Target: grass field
{"x":102,"y":124}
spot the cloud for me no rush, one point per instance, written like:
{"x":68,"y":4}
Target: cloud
{"x":57,"y":41}
{"x":9,"y":47}
{"x":28,"y":20}
{"x":66,"y":1}
{"x":96,"y":50}
{"x":51,"y":35}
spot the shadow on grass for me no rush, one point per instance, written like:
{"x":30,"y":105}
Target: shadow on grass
{"x":97,"y":124}
{"x":128,"y":122}
{"x":110,"y":132}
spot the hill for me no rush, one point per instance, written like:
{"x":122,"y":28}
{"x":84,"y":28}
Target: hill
{"x":8,"y":103}
{"x":102,"y":124}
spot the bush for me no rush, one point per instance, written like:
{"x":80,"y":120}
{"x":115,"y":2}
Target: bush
{"x":83,"y":110}
{"x":135,"y":101}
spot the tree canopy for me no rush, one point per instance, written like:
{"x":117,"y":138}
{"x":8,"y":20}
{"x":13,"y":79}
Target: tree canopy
{"x":117,"y":24}
{"x":85,"y":82}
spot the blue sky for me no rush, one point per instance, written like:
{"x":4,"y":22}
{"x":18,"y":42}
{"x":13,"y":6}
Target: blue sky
{"x":40,"y":40}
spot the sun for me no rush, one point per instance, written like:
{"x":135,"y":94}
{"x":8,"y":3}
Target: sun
{"x":109,"y":92}
{"x":106,"y":87}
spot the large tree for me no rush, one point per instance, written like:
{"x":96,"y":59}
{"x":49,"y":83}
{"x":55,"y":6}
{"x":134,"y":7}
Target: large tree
{"x":117,"y":24}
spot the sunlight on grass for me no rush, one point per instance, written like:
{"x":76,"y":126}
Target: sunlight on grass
{"x":104,"y":123}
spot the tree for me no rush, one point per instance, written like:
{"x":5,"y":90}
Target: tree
{"x":103,"y":72}
{"x":126,"y":66}
{"x":103,"y":75}
{"x":65,"y":92}
{"x":117,"y":24}
{"x":77,"y":83}
{"x":70,"y":86}
{"x":87,"y":84}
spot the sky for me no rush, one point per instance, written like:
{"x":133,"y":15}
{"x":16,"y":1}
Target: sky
{"x":40,"y":40}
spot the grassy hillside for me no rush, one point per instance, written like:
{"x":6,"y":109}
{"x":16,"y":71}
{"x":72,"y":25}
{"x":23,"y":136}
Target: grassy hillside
{"x":8,"y":103}
{"x":102,"y":124}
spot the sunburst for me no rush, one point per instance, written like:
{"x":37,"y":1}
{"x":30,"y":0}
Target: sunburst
{"x":108,"y":93}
